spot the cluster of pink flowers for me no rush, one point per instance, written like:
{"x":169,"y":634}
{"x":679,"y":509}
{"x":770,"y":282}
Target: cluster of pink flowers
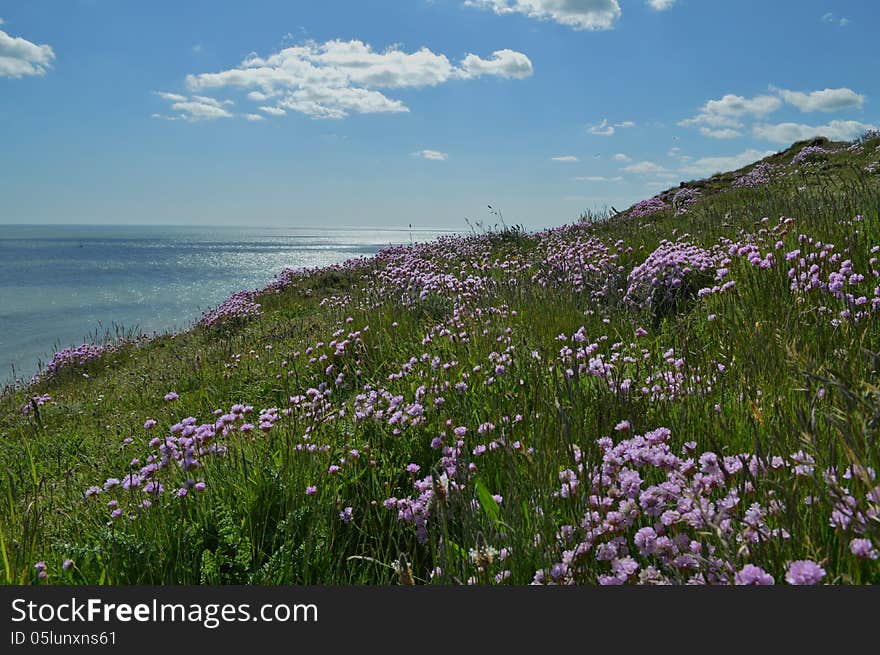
{"x":648,"y":207}
{"x":674,"y":272}
{"x":566,"y":256}
{"x":654,"y":516}
{"x":683,"y":199}
{"x":630,"y":369}
{"x":816,"y":268}
{"x":36,"y":402}
{"x":810,"y":153}
{"x":73,"y":357}
{"x":239,"y":305}
{"x":172,"y":462}
{"x":758,"y":176}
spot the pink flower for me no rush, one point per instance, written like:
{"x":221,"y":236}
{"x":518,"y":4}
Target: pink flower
{"x":804,"y":572}
{"x":753,"y":575}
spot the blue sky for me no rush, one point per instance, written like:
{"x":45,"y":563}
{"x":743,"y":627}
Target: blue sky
{"x":386,"y":113}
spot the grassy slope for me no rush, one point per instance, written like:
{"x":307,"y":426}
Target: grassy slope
{"x":255,"y":524}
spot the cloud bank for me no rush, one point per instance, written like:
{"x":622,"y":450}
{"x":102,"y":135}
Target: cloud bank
{"x":590,"y":15}
{"x":21,"y":58}
{"x":334,"y":79}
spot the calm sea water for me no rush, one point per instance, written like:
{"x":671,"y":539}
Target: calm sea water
{"x":61,"y":285}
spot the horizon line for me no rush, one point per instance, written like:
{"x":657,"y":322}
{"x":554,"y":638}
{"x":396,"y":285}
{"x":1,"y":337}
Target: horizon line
{"x":214,"y":225}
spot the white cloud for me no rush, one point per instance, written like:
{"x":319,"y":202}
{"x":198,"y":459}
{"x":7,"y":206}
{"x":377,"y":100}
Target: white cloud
{"x":831,"y":18}
{"x":195,"y":108}
{"x":711,"y":165}
{"x":661,"y":5}
{"x":728,"y":111}
{"x":621,"y":157}
{"x":722,"y":133}
{"x":827,"y":100}
{"x":599,"y":178}
{"x":567,"y":159}
{"x":273,"y":111}
{"x":336,"y":103}
{"x":724,"y":118}
{"x":733,"y":105}
{"x":212,"y":101}
{"x":19,"y":57}
{"x":645,"y":168}
{"x":337,"y":78}
{"x":608,"y":129}
{"x":504,"y":63}
{"x":432,"y":155}
{"x":253,"y":117}
{"x":786,"y":133}
{"x":173,"y":97}
{"x":577,"y":14}
{"x":602,"y":129}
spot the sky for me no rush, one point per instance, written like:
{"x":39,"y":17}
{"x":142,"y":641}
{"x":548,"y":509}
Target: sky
{"x":397,"y":112}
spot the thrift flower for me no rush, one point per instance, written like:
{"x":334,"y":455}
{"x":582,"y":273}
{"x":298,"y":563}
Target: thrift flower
{"x":863,"y":548}
{"x":804,"y":572}
{"x":753,"y":575}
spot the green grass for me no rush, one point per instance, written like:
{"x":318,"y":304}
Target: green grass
{"x":254,"y":523}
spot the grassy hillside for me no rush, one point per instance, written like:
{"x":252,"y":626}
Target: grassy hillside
{"x":684,"y":392}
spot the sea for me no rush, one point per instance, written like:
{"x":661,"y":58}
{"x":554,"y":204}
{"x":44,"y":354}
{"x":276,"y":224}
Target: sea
{"x":64,"y":285}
